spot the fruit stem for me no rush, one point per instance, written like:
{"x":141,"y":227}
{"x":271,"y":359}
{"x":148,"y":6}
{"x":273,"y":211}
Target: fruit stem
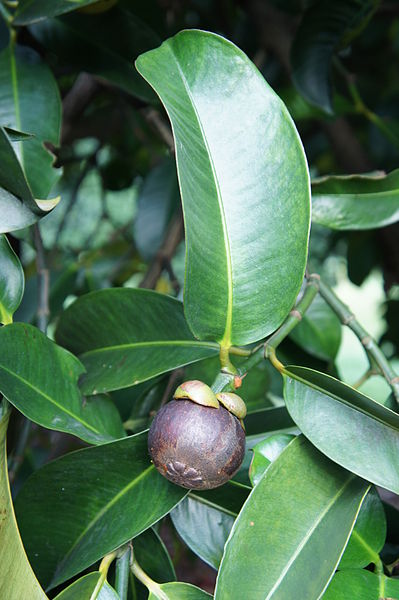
{"x":225,"y":362}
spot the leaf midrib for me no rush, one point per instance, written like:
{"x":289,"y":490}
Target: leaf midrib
{"x":134,"y":345}
{"x":226,"y":340}
{"x":48,"y":398}
{"x":307,"y":537}
{"x":101,"y":513}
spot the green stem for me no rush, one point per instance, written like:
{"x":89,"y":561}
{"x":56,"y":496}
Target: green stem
{"x":296,"y":315}
{"x":122,"y":573}
{"x":18,"y":455}
{"x":7,"y":16}
{"x":224,"y":382}
{"x":149,"y":583}
{"x":374,"y":353}
{"x":225,"y":362}
{"x":104,"y":568}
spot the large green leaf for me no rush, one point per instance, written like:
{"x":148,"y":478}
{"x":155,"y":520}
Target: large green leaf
{"x":83,"y":589}
{"x":325,"y":28}
{"x":18,"y":208}
{"x":125,"y":336}
{"x":357,"y":584}
{"x":349,"y":427}
{"x":356,"y":201}
{"x":11,"y":281}
{"x":30,"y":101}
{"x":180,"y":591}
{"x":203,"y":528}
{"x":243,"y":177}
{"x":17,"y":579}
{"x":319,"y":331}
{"x":78,"y":508}
{"x":368,"y":535}
{"x":268,"y":419}
{"x":104,"y":45}
{"x":30,"y":11}
{"x":40,"y":379}
{"x":292,"y":530}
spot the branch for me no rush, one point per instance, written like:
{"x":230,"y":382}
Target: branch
{"x":154,"y":118}
{"x":374,"y":353}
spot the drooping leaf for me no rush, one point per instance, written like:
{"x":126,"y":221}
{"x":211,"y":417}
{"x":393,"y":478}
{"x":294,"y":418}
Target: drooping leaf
{"x":181,"y":591}
{"x":368,"y":535}
{"x":319,"y":331}
{"x":125,"y":336}
{"x":296,"y":522}
{"x":325,"y":28}
{"x":40,"y":379}
{"x":358,"y":584}
{"x":356,"y":201}
{"x":203,"y":528}
{"x":12,"y":281}
{"x":233,"y":173}
{"x":265,"y":452}
{"x":83,"y":589}
{"x":78,"y":508}
{"x":353,"y":430}
{"x":30,"y":101}
{"x":157,"y":199}
{"x":17,"y":579}
{"x":30,"y":11}
{"x":106,"y":49}
{"x":18,"y":208}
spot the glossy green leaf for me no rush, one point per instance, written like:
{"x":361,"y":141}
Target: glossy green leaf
{"x":12,"y":281}
{"x":46,"y":390}
{"x":18,"y":208}
{"x":227,"y":498}
{"x":106,"y":49}
{"x":157,"y":199}
{"x":100,"y":411}
{"x":30,"y":11}
{"x":125,"y":336}
{"x":83,"y":589}
{"x":268,"y":419}
{"x":292,"y":530}
{"x":265,"y":452}
{"x":78,"y":508}
{"x":368,"y":535}
{"x":319,"y":331}
{"x":203,"y":528}
{"x":238,"y":157}
{"x":358,"y":584}
{"x":350,"y":428}
{"x":180,"y":591}
{"x":356,"y":201}
{"x":325,"y":28}
{"x":17,"y":579}
{"x":30,"y":101}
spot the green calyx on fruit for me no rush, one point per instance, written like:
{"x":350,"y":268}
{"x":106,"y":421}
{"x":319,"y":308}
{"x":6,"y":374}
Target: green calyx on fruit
{"x":233,"y":403}
{"x":198,"y":392}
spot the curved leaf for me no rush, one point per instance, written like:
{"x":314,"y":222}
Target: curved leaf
{"x":83,"y":589}
{"x":40,"y":379}
{"x":243,"y":176}
{"x":125,"y":336}
{"x":106,"y":50}
{"x":265,"y":452}
{"x":356,"y":201}
{"x":358,"y":584}
{"x":347,"y":426}
{"x":30,"y":11}
{"x":12,"y":281}
{"x":78,"y":508}
{"x":181,"y":591}
{"x":17,"y":579}
{"x":203,"y":528}
{"x":368,"y":535}
{"x":325,"y":28}
{"x":312,"y":505}
{"x":30,"y":101}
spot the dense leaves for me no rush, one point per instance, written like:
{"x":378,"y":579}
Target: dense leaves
{"x":126,"y":336}
{"x":232,"y":172}
{"x":65,"y":508}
